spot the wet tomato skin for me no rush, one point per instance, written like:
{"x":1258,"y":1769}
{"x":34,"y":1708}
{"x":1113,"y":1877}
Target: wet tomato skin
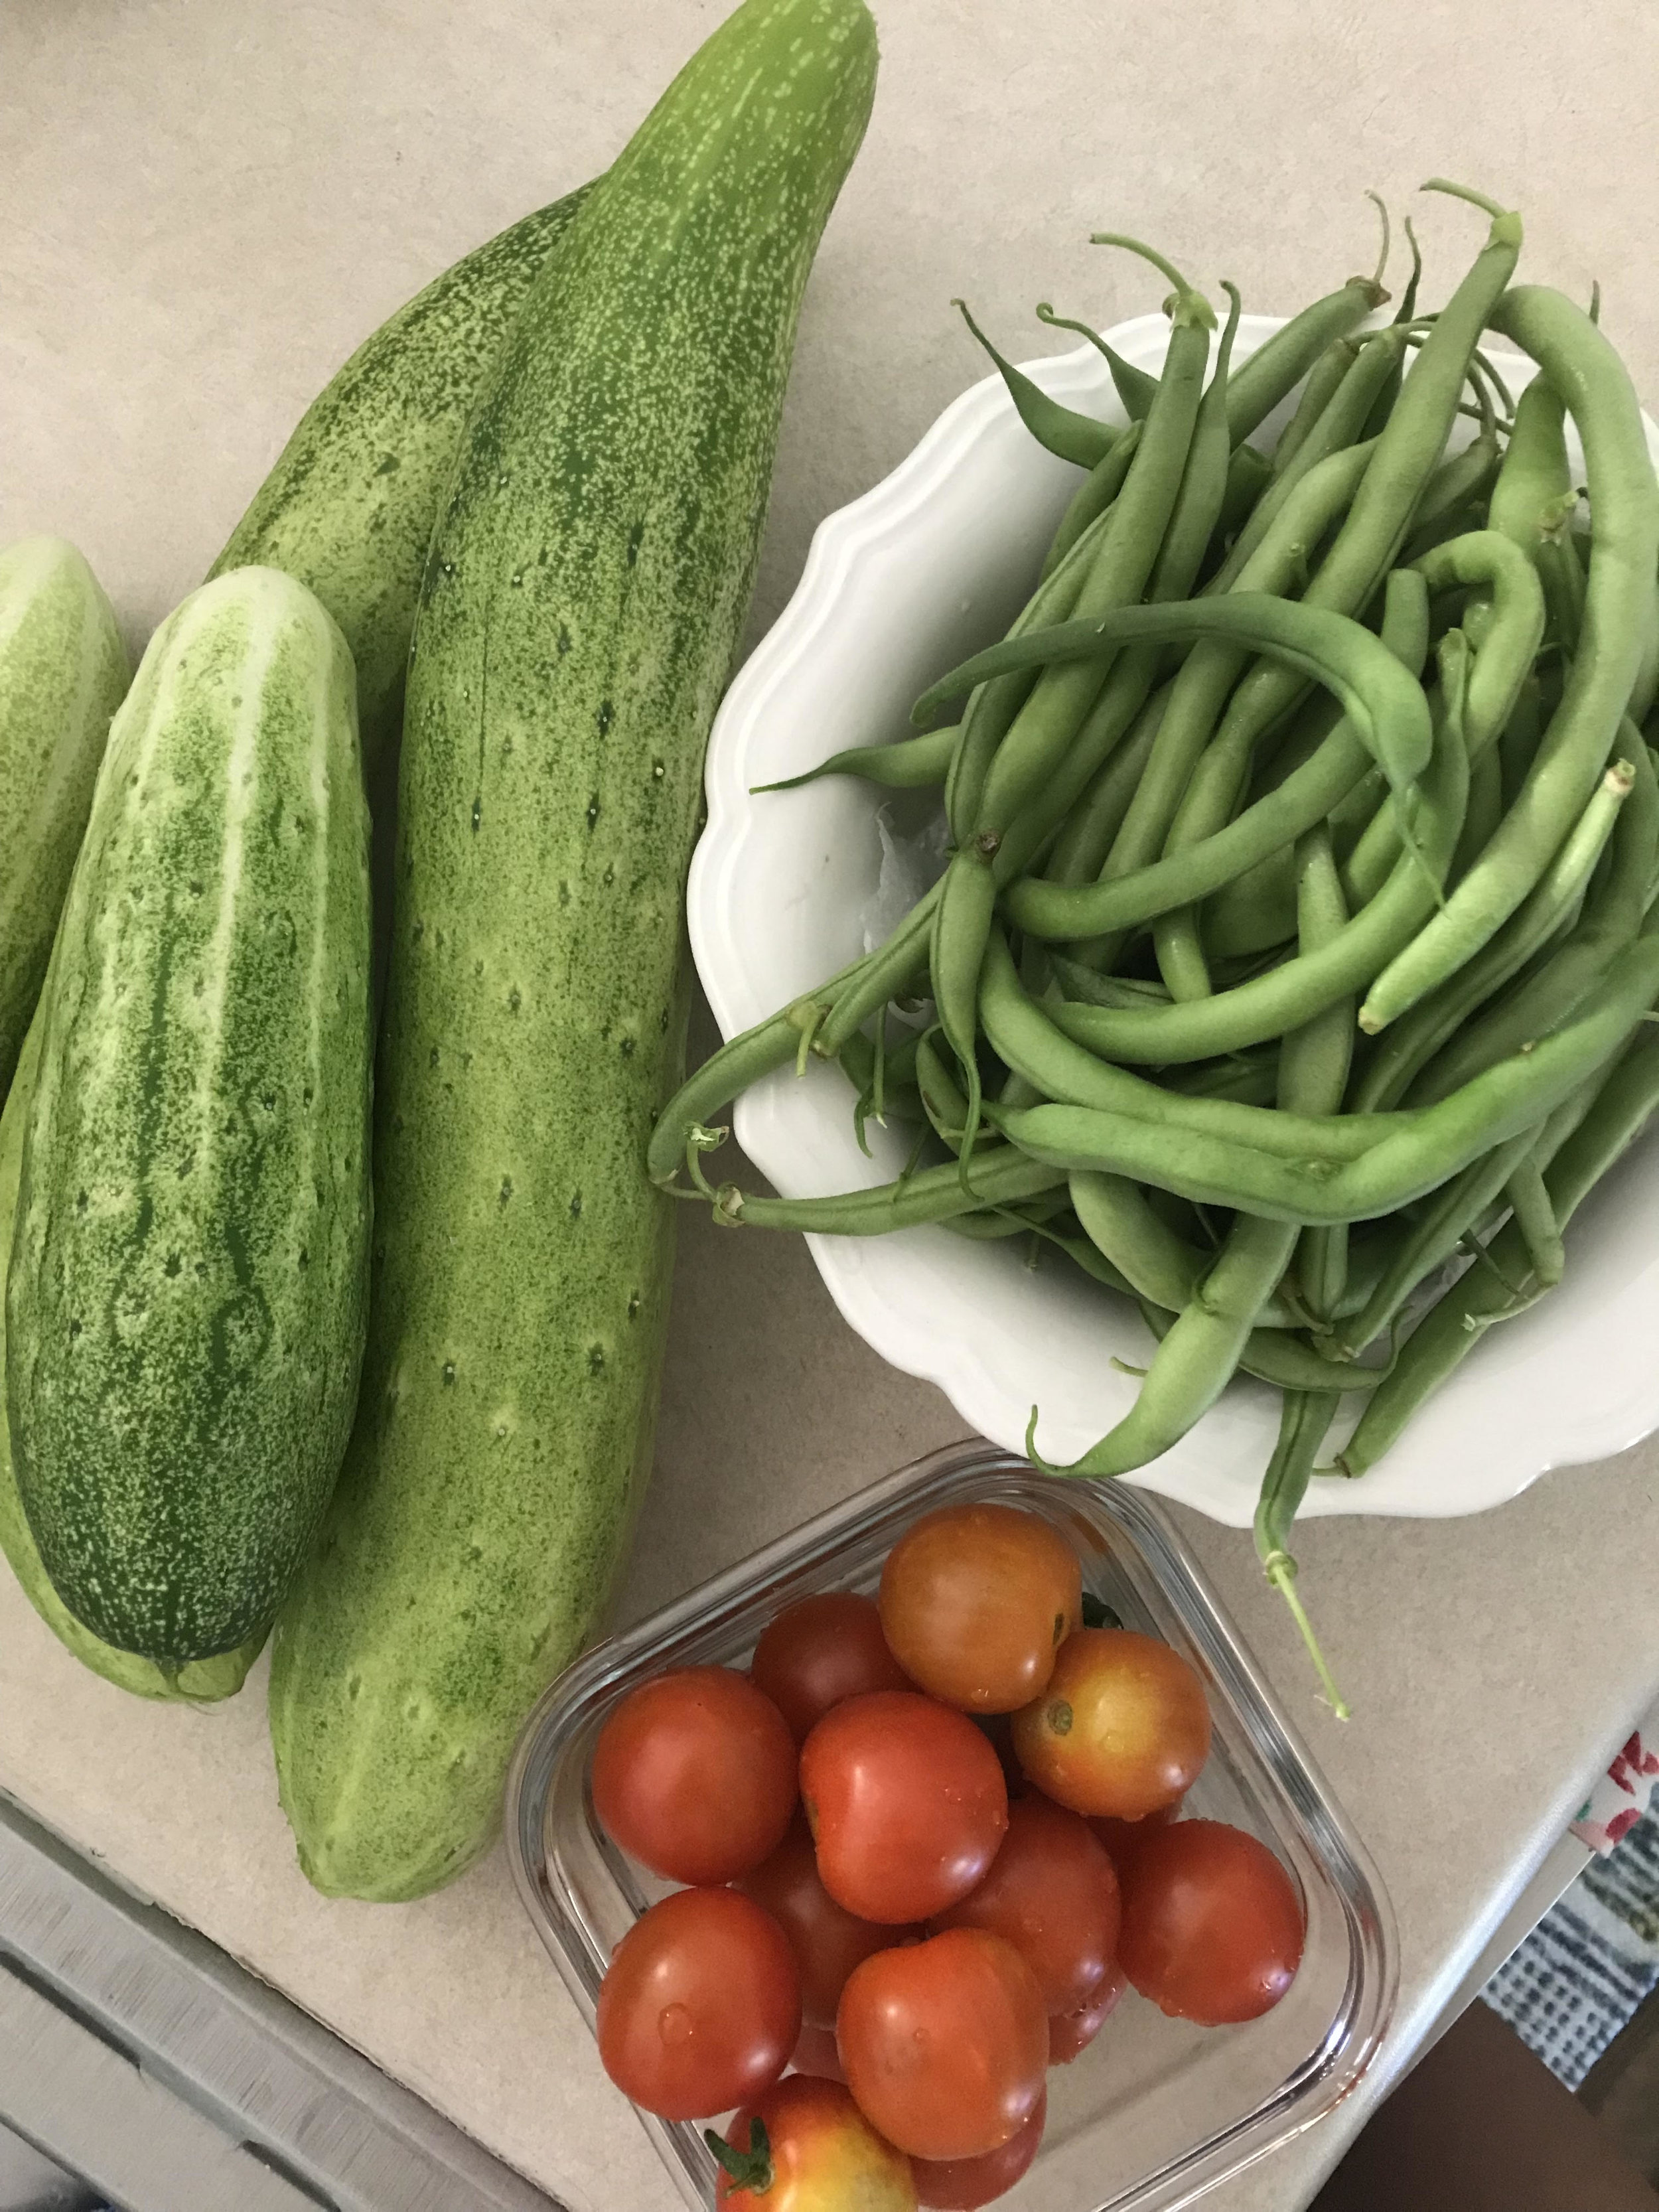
{"x":1122,"y":1728}
{"x":1052,"y":1893}
{"x":828,"y":1647}
{"x":1212,"y":1927}
{"x":962,"y":2184}
{"x":907,"y":1804}
{"x":1070,"y":2033}
{"x":695,"y":1775}
{"x":946,"y":2043}
{"x":700,"y":2007}
{"x":827,"y":1939}
{"x":822,"y":2154}
{"x":1124,"y":1838}
{"x":976,"y":1600}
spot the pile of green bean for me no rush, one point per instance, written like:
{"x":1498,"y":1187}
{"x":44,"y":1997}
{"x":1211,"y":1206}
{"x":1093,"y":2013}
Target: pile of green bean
{"x":1297,"y":943}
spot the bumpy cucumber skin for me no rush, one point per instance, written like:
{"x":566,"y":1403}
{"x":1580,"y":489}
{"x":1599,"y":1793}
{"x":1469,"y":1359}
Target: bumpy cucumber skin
{"x":350,"y":506}
{"x":202,"y":1681}
{"x":63,"y":671}
{"x":186,"y":1293}
{"x":580,"y":612}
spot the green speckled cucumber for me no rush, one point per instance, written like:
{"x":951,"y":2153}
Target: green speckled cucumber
{"x":587,"y":586}
{"x":62,"y":670}
{"x":349,"y":507}
{"x":185,"y":1299}
{"x":200,"y":1682}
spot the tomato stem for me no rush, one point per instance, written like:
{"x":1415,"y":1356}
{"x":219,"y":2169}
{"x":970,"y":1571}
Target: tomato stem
{"x":749,"y":2169}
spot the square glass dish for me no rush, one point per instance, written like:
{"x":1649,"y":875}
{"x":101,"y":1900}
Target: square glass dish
{"x":1156,"y":2110}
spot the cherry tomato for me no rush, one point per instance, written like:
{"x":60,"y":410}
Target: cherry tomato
{"x":1052,"y":1891}
{"x":1122,"y":1728}
{"x":1212,"y":1927}
{"x":827,"y":1939}
{"x":700,"y":2006}
{"x":907,"y":1804}
{"x":694,"y":1774}
{"x":824,"y":1650}
{"x":818,"y":2154}
{"x":816,"y":2053}
{"x":975,"y":1600}
{"x":1123,"y":1839}
{"x":1072,"y":2031}
{"x":946,"y":2043}
{"x":962,"y":2185}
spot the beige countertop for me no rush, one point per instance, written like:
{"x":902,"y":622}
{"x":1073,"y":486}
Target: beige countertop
{"x":208,"y":203}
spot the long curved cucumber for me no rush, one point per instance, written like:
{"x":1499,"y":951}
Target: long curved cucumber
{"x":189,"y":1268}
{"x":63,"y":671}
{"x":583,"y":602}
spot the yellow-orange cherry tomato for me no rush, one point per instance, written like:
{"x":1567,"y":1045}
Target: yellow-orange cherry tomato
{"x":976,"y":1600}
{"x":1122,"y":1728}
{"x":817,"y":2153}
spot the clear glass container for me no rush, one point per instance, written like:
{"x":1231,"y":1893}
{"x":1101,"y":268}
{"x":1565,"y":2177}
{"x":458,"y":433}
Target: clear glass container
{"x":1155,"y":2111}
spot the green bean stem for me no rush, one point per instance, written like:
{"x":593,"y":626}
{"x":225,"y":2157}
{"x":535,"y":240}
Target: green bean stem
{"x":1305,"y":1419}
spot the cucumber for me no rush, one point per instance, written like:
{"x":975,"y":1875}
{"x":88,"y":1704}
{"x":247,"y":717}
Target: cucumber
{"x":349,"y":507}
{"x":185,"y":1297}
{"x":203,"y":1680}
{"x":582,"y":605}
{"x":62,"y":670}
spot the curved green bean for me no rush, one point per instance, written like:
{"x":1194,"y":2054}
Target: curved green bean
{"x":911,"y":764}
{"x":1000,"y":1177}
{"x":1135,"y":387}
{"x":1061,"y":429}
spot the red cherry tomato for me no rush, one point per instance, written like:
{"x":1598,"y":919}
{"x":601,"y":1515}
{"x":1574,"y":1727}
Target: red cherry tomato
{"x":827,"y":1939}
{"x":1122,"y":1728}
{"x":1053,"y":1893}
{"x":962,"y":2185}
{"x":819,"y":2154}
{"x":976,"y":1600}
{"x":816,"y":2053}
{"x":1072,"y":2031}
{"x":907,"y":1804}
{"x":694,"y":1775}
{"x":700,"y":2006}
{"x":946,"y":2043}
{"x":825,"y":1649}
{"x":1212,"y":1927}
{"x":1124,"y":1838}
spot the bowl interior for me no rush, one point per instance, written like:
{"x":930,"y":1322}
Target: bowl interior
{"x":1155,"y":2110}
{"x":787,"y":887}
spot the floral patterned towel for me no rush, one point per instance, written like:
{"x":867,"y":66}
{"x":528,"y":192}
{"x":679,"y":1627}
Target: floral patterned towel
{"x":1620,"y":1797}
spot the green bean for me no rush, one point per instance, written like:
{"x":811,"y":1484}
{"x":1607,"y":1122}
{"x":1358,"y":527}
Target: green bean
{"x":1341,"y":424}
{"x":1485,"y":811}
{"x":1411,"y":1042}
{"x":1324,"y":380}
{"x":1064,"y":432}
{"x":1534,"y":1218}
{"x":1249,"y":1078}
{"x":1135,"y":387}
{"x":942,"y":1102}
{"x":911,"y":764}
{"x":1304,"y":1418}
{"x":892,"y":971}
{"x":957,"y":952}
{"x":1487,"y":560}
{"x":1198,"y":1358}
{"x":1313,"y":1059}
{"x":1613,"y":915}
{"x":1450,"y":1331}
{"x":1076,"y":981}
{"x":1274,"y":1356}
{"x":1098,"y":814}
{"x":1092,"y":500}
{"x":1001,"y":1177}
{"x":1154,"y":1262}
{"x":1625,"y":498}
{"x":1562,"y":574}
{"x":1279,"y":365}
{"x":1463,"y":482}
{"x":1429,"y":1148}
{"x":1247,"y":477}
{"x":1535,"y":476}
{"x":1517,"y":744}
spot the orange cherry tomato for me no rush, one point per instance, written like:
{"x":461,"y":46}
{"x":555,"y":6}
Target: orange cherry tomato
{"x":1122,"y":1728}
{"x":1123,"y":1839}
{"x":1053,"y":1892}
{"x":816,"y":2053}
{"x":1212,"y":1927}
{"x":962,"y":2184}
{"x":1072,"y":2031}
{"x":700,"y":2006}
{"x":694,"y":1774}
{"x":813,"y":2151}
{"x":946,"y":2043}
{"x":906,"y":1805}
{"x":816,"y":1653}
{"x":827,"y":1939}
{"x":976,"y":1600}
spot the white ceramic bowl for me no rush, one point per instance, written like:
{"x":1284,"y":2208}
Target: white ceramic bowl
{"x":927,"y":567}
